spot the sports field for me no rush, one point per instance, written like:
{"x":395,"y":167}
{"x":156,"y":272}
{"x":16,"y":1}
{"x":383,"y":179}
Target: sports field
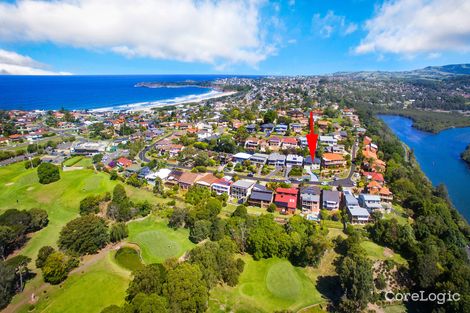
{"x":20,"y":189}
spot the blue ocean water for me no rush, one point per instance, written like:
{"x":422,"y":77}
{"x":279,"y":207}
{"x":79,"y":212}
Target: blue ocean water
{"x":439,"y":157}
{"x":90,"y":92}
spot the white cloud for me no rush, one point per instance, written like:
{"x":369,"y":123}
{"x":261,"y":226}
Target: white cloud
{"x":418,"y":26}
{"x":215,"y":32}
{"x":16,"y":64}
{"x":330,"y":23}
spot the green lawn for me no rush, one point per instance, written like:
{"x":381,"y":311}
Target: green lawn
{"x":20,"y":189}
{"x":72,"y":161}
{"x":157,"y":241}
{"x":265,"y":286}
{"x":376,"y":252}
{"x":102,"y":284}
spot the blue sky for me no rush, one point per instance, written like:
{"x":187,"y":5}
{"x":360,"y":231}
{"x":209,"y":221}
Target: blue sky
{"x":230,"y":37}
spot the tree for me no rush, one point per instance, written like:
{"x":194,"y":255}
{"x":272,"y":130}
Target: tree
{"x":118,"y":232}
{"x":90,"y":204}
{"x":201,"y":230}
{"x":186,"y":290}
{"x":152,"y":303}
{"x":55,"y":269}
{"x":355,"y":274}
{"x":97,"y":158}
{"x":39,"y":219}
{"x":48,"y":173}
{"x":20,"y":263}
{"x":148,"y":280}
{"x":43,"y":254}
{"x":270,"y":116}
{"x":158,"y":187}
{"x":178,"y":217}
{"x":7,"y":237}
{"x":240,"y":211}
{"x":84,"y":235}
{"x":120,"y":207}
{"x":7,"y":283}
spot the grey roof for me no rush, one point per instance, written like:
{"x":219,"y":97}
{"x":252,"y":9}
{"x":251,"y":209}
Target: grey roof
{"x":259,"y":156}
{"x":358,"y":211}
{"x":276,"y":157}
{"x":263,"y":196}
{"x":330,"y":195}
{"x":350,"y":200}
{"x":310,"y":197}
{"x":243,"y":183}
{"x":312,"y":190}
{"x":296,"y":158}
{"x":260,"y":188}
{"x":369,"y":197}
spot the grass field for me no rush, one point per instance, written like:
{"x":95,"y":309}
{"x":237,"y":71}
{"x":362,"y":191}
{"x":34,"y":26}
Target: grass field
{"x":20,"y":189}
{"x":102,"y":284}
{"x":157,"y":241}
{"x":265,"y":286}
{"x":376,"y":252}
{"x":128,"y":258}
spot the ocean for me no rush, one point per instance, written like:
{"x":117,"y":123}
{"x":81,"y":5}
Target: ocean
{"x":439,"y":157}
{"x":95,"y":92}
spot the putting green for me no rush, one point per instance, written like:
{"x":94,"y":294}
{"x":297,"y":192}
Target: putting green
{"x":283,"y":281}
{"x":157,"y":241}
{"x":266,"y":286}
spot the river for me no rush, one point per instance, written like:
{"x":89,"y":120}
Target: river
{"x":439,"y":157}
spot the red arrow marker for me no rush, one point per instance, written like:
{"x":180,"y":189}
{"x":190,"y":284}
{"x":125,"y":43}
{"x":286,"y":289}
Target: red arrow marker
{"x":312,"y":139}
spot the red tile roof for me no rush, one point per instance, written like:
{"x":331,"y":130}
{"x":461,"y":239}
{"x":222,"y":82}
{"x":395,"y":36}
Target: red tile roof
{"x":287,"y":191}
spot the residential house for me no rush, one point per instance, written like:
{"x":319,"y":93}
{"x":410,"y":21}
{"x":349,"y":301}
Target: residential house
{"x":221,"y":186}
{"x":207,"y":180}
{"x":302,"y":141}
{"x":286,"y":199}
{"x":358,"y":215}
{"x":331,"y":200}
{"x":333,"y":160}
{"x":124,"y":162}
{"x":251,"y":128}
{"x":327,"y":140}
{"x":310,"y":201}
{"x":241,"y":156}
{"x":252,"y":143}
{"x":280,"y":128}
{"x":289,"y":143}
{"x":260,"y":196}
{"x":370,"y":202}
{"x":259,"y":158}
{"x":274,"y":143}
{"x":296,"y":127}
{"x":277,"y":159}
{"x":241,"y":189}
{"x":187,"y":180}
{"x":267,"y":127}
{"x":293,"y":159}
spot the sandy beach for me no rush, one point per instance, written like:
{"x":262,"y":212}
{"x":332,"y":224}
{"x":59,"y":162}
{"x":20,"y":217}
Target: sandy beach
{"x":148,"y":106}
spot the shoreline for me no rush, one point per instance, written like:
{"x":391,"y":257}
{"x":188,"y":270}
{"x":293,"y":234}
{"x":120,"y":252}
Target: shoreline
{"x":148,"y":106}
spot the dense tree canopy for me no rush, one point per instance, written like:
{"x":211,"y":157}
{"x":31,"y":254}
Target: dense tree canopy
{"x":84,"y":235}
{"x":48,"y":173}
